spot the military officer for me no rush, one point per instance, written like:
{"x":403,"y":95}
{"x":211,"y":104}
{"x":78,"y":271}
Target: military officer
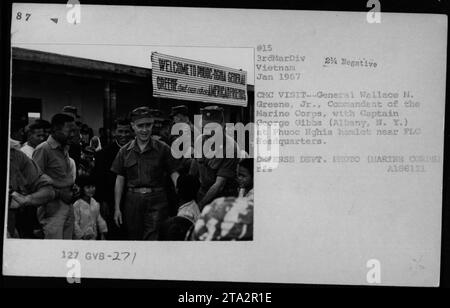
{"x":141,"y":167}
{"x":217,"y":175}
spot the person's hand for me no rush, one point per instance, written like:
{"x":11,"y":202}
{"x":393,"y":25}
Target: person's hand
{"x":18,"y":200}
{"x":14,"y":205}
{"x":118,"y":218}
{"x":89,"y":236}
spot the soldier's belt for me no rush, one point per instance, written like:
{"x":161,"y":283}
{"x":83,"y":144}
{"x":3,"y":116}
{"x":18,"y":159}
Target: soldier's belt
{"x":145,"y":190}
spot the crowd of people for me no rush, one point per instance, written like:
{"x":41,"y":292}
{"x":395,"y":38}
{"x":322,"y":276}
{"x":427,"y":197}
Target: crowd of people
{"x":67,"y":183}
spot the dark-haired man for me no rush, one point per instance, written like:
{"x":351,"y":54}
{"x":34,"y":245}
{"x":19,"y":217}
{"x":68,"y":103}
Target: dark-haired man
{"x":52,"y":157}
{"x":75,"y":142}
{"x":180,"y":114}
{"x":106,"y":179}
{"x":46,"y":126}
{"x":216,"y":174}
{"x":35,"y":136}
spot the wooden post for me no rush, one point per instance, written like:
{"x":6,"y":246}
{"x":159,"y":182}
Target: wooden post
{"x":106,"y":109}
{"x":112,"y":108}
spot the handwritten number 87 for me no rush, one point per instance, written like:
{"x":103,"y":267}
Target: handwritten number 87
{"x":19,"y":16}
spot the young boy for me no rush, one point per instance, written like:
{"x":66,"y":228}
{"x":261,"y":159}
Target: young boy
{"x":176,"y":228}
{"x":87,"y":212}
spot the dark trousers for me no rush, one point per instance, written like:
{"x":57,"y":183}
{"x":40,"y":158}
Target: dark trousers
{"x":27,"y":222}
{"x":144,"y":214}
{"x":114,"y":233}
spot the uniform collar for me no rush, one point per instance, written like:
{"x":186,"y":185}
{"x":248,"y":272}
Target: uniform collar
{"x":134,"y":146}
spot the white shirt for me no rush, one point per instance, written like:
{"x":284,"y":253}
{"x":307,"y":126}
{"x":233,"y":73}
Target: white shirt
{"x":88,"y":219}
{"x":28,"y":150}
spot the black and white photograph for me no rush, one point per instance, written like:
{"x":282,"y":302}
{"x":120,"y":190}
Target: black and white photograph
{"x":108,"y":151}
{"x":225,"y":144}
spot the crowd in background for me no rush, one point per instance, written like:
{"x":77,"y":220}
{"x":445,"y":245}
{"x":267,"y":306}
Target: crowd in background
{"x":65,"y":182}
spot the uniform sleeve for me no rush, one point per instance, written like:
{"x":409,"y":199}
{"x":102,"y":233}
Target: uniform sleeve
{"x":77,"y":228}
{"x":118,"y":164}
{"x":227,"y":168}
{"x":172,"y":164}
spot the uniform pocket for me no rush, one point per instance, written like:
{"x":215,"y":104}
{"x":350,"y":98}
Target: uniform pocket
{"x":152,"y":167}
{"x":131,"y":168}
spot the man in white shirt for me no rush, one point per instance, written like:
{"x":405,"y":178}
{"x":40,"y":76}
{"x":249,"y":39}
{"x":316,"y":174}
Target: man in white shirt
{"x":35,"y":136}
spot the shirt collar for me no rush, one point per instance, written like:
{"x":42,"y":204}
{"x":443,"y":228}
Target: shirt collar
{"x":134,"y":146}
{"x":28,"y":145}
{"x":56,"y":145}
{"x":14,"y":143}
{"x":53,"y":143}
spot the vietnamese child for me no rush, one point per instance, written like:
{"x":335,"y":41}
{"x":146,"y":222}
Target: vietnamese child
{"x":89,"y":224}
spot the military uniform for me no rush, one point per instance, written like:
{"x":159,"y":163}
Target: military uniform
{"x":158,"y":119}
{"x":208,"y":169}
{"x":182,"y":109}
{"x":146,"y":205}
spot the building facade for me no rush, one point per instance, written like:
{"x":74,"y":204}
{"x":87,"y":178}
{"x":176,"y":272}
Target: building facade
{"x":43,"y":83}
